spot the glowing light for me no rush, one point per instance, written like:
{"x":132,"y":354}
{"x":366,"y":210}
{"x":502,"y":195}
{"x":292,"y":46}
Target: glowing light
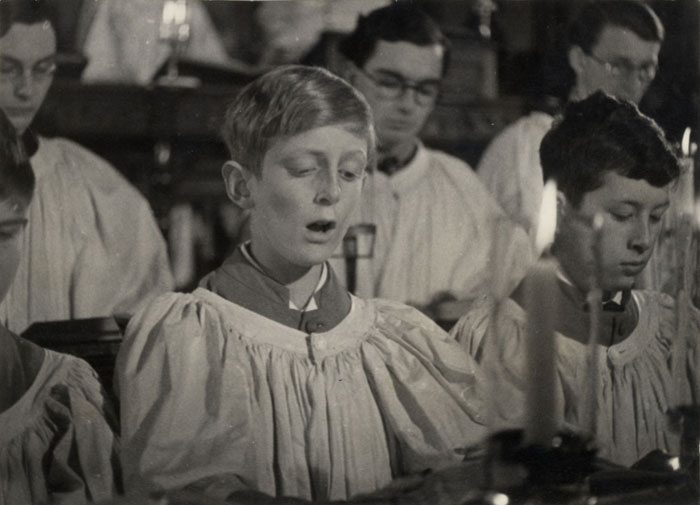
{"x":497,"y":499}
{"x":547,"y":223}
{"x":685,"y":143}
{"x":675,"y":463}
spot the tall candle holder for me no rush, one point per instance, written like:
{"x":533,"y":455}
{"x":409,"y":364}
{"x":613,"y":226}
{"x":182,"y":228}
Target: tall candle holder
{"x":684,"y":214}
{"x":595,"y":301}
{"x":541,"y":408}
{"x":358,"y":251}
{"x":175,"y":30}
{"x":685,"y":417}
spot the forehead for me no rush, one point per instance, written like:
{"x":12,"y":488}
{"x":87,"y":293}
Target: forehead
{"x":29,"y":42}
{"x":407,"y":59}
{"x":617,"y":189}
{"x":330,"y":141}
{"x":622,"y":43}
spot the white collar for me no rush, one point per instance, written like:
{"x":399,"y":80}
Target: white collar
{"x":311,"y":302}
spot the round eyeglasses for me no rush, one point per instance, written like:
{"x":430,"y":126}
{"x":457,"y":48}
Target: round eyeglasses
{"x":13,"y":70}
{"x":625,"y":69}
{"x":392,"y":87}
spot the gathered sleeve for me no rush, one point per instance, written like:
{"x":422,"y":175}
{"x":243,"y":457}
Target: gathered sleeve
{"x":170,"y":382}
{"x":80,"y":403}
{"x":510,"y":168}
{"x":429,"y":390}
{"x":690,"y":393}
{"x":503,"y":358}
{"x":122,"y":261}
{"x":693,"y":362}
{"x":66,"y":450}
{"x":220,"y":399}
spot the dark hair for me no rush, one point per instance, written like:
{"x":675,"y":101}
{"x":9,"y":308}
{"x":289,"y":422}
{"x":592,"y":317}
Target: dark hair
{"x":398,"y":22}
{"x":24,"y":11}
{"x":16,"y":174}
{"x":290,"y":100}
{"x":603,"y":134}
{"x":594,"y":16}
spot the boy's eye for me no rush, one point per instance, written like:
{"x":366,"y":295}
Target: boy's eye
{"x":299,"y":170}
{"x":621,"y":216}
{"x":8,"y":67}
{"x":351,"y":171}
{"x":44,"y":68}
{"x":622,"y":212}
{"x":10,"y":231}
{"x":348,"y":175}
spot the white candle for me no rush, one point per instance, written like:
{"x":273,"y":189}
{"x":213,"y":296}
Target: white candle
{"x":541,"y":421}
{"x":491,"y":358}
{"x":595,"y":301}
{"x":684,"y":209}
{"x":686,"y":183}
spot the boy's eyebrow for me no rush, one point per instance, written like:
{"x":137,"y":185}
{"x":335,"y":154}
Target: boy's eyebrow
{"x":396,"y":75}
{"x":19,"y":62}
{"x":636,"y":204}
{"x":354,"y":154}
{"x":321,"y":155}
{"x":14,"y":221}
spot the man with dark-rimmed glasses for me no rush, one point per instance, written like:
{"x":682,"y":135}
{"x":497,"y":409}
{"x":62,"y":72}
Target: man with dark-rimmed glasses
{"x":613,"y":46}
{"x":436,"y":222}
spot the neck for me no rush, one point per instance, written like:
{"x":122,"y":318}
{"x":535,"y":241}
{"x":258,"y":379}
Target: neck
{"x":402,"y":152}
{"x":301,"y":281}
{"x":577,"y":94}
{"x":301,"y":290}
{"x":30,"y":141}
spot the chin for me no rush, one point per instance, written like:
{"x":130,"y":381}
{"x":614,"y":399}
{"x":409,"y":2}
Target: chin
{"x":620,"y":284}
{"x":315,"y":255}
{"x":390,"y":138}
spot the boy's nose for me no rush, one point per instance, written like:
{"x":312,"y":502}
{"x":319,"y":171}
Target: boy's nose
{"x":642,"y":238}
{"x":407,"y":100}
{"x":25,"y":85}
{"x":329,"y":190}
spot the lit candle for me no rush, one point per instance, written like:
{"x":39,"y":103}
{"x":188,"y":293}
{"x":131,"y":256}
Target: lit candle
{"x":686,"y":188}
{"x":541,"y":421}
{"x":595,"y":302}
{"x":491,"y":356}
{"x":684,"y":223}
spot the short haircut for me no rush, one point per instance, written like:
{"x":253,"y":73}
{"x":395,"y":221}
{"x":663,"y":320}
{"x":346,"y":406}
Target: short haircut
{"x":594,"y":16}
{"x":16,"y":174}
{"x":24,"y":11}
{"x":397,"y":22}
{"x":603,"y":134}
{"x":290,"y":100}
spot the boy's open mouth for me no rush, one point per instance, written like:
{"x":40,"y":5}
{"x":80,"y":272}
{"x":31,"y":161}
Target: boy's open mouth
{"x":321,"y":226}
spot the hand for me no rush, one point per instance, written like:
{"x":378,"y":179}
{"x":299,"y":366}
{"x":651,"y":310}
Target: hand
{"x":452,"y":485}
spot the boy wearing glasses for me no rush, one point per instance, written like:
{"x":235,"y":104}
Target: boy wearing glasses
{"x":439,"y":220}
{"x":613,"y":47}
{"x":92,"y":245}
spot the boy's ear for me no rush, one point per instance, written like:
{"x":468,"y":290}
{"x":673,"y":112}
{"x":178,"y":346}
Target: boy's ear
{"x":348,"y":71}
{"x":237,"y":181}
{"x":576,"y":56}
{"x":562,"y":207}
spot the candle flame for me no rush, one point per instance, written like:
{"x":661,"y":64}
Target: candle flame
{"x":174,"y":12}
{"x":685,"y":143}
{"x":547,"y":223}
{"x":598,"y":221}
